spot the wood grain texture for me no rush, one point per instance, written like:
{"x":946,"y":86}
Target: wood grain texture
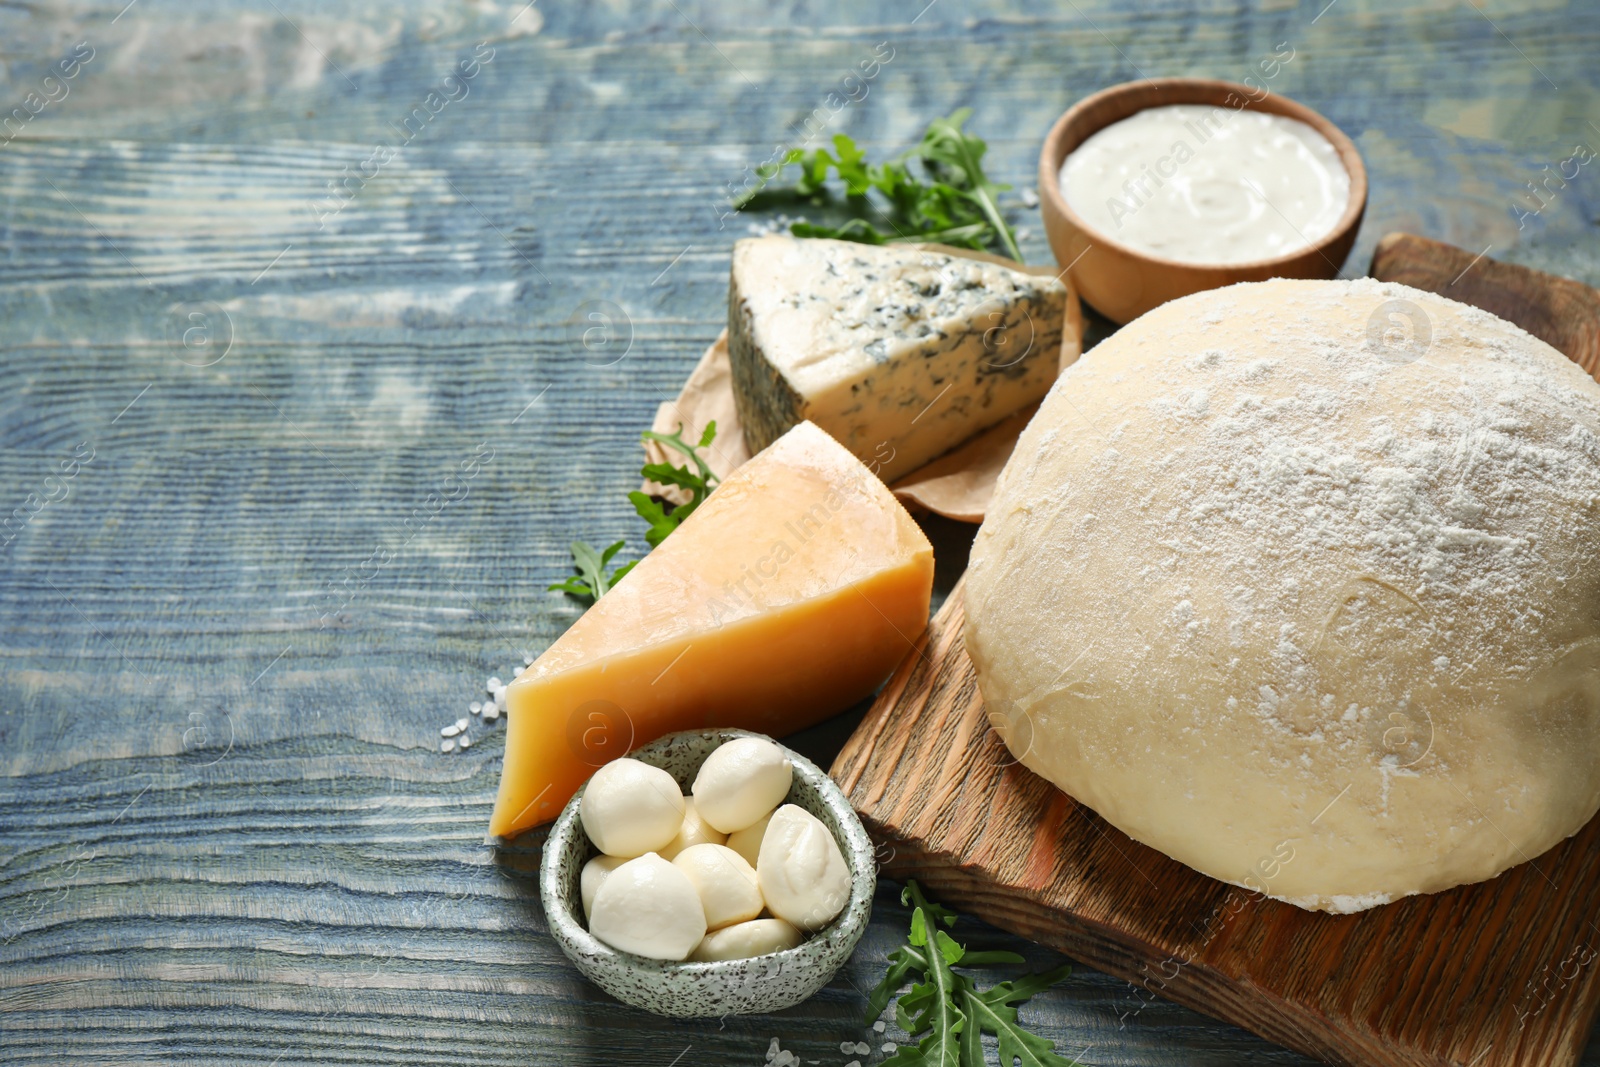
{"x":227,"y":833}
{"x":1559,"y":311}
{"x":1494,"y":975}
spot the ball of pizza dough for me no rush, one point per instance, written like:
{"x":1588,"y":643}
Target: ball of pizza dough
{"x":1295,"y":581}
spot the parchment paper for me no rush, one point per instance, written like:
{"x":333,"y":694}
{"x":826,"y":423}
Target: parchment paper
{"x":957,"y":485}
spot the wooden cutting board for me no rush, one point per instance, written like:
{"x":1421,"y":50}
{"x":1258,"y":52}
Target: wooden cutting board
{"x":1506,"y":972}
{"x":1559,"y":311}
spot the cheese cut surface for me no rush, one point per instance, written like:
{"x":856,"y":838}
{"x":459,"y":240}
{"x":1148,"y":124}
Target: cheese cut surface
{"x":899,"y":353}
{"x":790,"y":594}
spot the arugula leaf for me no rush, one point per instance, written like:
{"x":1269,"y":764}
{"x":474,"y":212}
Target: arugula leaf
{"x":995,"y":1010}
{"x":955,"y":203}
{"x":976,"y":959}
{"x":948,"y":1008}
{"x":652,"y":511}
{"x":931,"y":1006}
{"x":675,"y":440}
{"x":972,"y":1036}
{"x":699,"y":482}
{"x":912,"y":896}
{"x":950,"y":151}
{"x":919,"y":927}
{"x":902,"y":961}
{"x":592,"y":581}
{"x":858,"y":230}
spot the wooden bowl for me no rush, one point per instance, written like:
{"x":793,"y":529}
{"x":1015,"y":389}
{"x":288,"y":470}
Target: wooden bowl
{"x":1123,"y":283}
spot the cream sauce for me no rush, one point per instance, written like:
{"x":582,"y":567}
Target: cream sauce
{"x":1208,"y":185}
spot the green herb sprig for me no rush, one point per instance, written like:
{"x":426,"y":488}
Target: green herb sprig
{"x":948,"y":1008}
{"x":592,"y":580}
{"x":955,"y":203}
{"x":699,"y":482}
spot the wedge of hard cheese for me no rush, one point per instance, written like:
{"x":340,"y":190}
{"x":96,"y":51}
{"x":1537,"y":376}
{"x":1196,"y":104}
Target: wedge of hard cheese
{"x":789,"y":595}
{"x":899,"y":353}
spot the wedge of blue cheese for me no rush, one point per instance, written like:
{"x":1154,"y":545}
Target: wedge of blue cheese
{"x":899,"y":353}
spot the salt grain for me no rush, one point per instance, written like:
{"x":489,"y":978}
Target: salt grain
{"x":889,"y":1047}
{"x":451,"y":730}
{"x":779,"y":1057}
{"x":447,"y":746}
{"x":863,"y":1049}
{"x":492,"y":684}
{"x":466,"y":742}
{"x":461,"y":724}
{"x":475,"y":707}
{"x":500,"y":698}
{"x":491,"y":712}
{"x":847,"y":1047}
{"x":879,"y":1026}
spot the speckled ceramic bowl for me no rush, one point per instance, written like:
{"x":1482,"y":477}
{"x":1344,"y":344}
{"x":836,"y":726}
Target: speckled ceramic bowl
{"x":727,"y":987}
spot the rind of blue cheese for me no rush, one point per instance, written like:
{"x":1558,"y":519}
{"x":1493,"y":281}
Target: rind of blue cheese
{"x":899,"y":353}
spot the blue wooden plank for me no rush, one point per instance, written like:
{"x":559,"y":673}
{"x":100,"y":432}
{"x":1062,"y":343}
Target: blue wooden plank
{"x":226,"y":830}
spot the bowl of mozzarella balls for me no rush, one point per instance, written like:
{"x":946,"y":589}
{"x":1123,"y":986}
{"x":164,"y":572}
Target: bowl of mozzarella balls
{"x":708,"y":873}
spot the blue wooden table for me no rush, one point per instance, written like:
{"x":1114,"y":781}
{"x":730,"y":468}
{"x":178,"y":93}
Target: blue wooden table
{"x":301,"y":401}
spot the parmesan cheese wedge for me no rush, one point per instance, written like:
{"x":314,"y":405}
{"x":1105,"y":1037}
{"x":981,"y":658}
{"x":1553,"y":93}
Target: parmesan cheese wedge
{"x":789,"y":595}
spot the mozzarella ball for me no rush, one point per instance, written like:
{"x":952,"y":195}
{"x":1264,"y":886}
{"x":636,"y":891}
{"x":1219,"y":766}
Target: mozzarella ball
{"x":747,"y":842}
{"x":693,"y":831}
{"x":630,"y":808}
{"x":743,"y":940}
{"x":802,"y":873}
{"x":595,"y":872}
{"x":727,"y":885}
{"x":650,"y":908}
{"x":740,"y":782}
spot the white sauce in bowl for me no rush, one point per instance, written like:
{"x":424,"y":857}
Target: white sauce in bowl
{"x":1208,"y":185}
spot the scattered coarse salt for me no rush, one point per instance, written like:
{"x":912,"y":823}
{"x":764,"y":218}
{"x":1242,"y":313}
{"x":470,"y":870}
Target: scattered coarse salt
{"x":447,"y":746}
{"x":491,"y":712}
{"x":500,"y":698}
{"x":475,"y":707}
{"x":461,"y":723}
{"x":492,"y":684}
{"x":889,"y":1048}
{"x":772,"y":1050}
{"x":1028,"y":197}
{"x":853,"y":1063}
{"x":451,"y":730}
{"x":863,"y":1049}
{"x":880,"y":1026}
{"x":466,"y":742}
{"x":847,"y":1047}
